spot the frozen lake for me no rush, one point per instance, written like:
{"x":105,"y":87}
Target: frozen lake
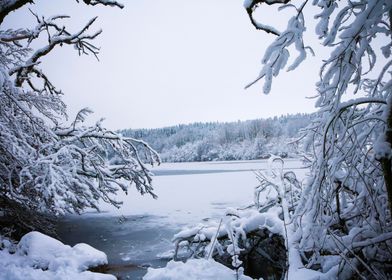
{"x":136,"y":235}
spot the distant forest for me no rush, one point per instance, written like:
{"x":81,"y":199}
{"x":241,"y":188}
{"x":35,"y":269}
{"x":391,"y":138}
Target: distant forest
{"x":241,"y":140}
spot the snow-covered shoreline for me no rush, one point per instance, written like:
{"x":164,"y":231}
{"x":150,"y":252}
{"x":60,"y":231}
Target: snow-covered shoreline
{"x":40,"y":257}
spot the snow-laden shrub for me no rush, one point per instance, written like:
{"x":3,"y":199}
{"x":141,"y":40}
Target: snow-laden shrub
{"x":352,"y":244}
{"x":242,"y":233}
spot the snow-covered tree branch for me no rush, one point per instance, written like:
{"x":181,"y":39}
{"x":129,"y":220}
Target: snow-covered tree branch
{"x":48,"y":167}
{"x":8,"y":6}
{"x":350,"y":187}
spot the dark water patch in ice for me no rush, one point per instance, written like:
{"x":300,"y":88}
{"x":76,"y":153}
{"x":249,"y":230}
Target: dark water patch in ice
{"x":131,"y":243}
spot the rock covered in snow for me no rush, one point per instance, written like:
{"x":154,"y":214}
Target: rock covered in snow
{"x":39,"y":256}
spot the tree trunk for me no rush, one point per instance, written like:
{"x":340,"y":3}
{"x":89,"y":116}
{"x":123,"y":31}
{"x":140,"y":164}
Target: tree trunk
{"x":386,"y":161}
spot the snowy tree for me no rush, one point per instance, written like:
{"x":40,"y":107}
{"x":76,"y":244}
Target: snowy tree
{"x":49,"y":166}
{"x":343,"y":212}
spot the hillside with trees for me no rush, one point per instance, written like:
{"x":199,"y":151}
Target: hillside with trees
{"x":241,"y":140}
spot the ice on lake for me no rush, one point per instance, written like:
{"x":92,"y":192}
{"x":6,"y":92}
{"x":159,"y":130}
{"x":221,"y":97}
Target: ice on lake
{"x":138,"y":234}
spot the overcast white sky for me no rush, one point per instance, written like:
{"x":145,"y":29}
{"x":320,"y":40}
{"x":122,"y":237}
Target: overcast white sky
{"x":165,"y":62}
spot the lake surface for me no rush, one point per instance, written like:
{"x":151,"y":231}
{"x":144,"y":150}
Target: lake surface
{"x":138,"y":235}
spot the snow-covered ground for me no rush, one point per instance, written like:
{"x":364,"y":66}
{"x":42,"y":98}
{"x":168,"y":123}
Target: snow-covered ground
{"x":40,"y":257}
{"x":193,"y":269}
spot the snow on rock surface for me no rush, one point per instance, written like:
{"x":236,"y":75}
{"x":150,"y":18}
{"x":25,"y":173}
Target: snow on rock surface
{"x":39,"y":256}
{"x":193,"y":269}
{"x":247,"y":221}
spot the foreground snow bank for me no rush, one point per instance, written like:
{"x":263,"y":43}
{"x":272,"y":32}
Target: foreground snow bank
{"x":193,"y":269}
{"x":40,"y":257}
